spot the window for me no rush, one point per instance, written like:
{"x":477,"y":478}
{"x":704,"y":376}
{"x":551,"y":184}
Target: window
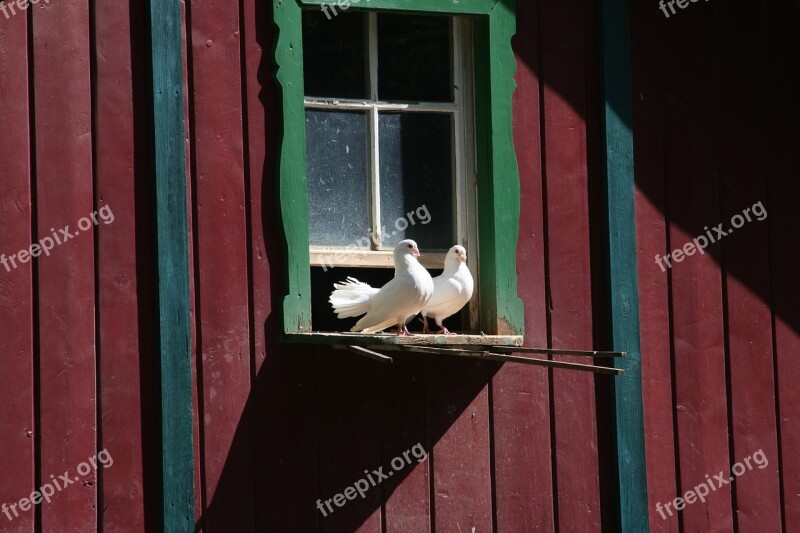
{"x":389,"y":136}
{"x":380,"y":143}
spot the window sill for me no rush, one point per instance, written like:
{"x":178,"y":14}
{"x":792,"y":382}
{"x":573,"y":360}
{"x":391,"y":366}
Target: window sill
{"x":362,"y":339}
{"x":343,"y":257}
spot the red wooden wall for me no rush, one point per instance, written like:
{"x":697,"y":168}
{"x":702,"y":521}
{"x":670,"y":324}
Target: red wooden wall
{"x":75,"y":332}
{"x":715,"y":127}
{"x":277,"y":427}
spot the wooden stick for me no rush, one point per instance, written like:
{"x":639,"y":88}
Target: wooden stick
{"x":555,"y":351}
{"x":364,"y":352}
{"x":504,"y":358}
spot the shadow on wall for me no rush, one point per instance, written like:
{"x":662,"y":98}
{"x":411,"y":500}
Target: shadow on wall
{"x":309,"y":426}
{"x":715,"y":135}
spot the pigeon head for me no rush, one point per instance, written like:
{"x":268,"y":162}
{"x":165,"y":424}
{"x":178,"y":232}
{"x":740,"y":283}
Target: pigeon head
{"x":455,"y":256}
{"x":404,"y":248}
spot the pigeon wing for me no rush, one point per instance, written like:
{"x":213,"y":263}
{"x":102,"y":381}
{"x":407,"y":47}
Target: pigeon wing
{"x":399,"y":298}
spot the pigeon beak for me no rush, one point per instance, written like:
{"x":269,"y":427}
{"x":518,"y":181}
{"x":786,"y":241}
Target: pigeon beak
{"x":415,"y":251}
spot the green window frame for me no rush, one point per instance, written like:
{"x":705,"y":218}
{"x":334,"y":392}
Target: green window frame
{"x":494,"y":22}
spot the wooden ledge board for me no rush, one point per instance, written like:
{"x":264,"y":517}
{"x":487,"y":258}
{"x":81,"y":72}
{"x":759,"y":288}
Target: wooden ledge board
{"x":362,"y":339}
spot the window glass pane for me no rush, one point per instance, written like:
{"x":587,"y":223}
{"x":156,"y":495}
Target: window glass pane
{"x":334,"y":54}
{"x":416,"y":165}
{"x":338,"y":170}
{"x":414,"y":58}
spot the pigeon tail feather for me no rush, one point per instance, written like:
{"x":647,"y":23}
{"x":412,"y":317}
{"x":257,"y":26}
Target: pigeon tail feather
{"x":351,"y":298}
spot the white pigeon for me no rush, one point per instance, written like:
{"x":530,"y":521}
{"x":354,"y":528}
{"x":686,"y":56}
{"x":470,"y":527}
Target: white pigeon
{"x":394,"y":303}
{"x":451,"y":291}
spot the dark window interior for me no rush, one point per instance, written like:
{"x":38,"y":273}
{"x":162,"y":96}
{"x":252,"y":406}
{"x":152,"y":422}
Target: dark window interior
{"x":414,"y":58}
{"x":323,"y":317}
{"x":334,"y":55}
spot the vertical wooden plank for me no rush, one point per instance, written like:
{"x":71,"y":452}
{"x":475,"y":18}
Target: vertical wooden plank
{"x":260,"y":121}
{"x":782,"y":142}
{"x":651,"y":232}
{"x":177,"y":483}
{"x":349,"y":412}
{"x":520,"y":395}
{"x":259,"y":150}
{"x":287,"y":440}
{"x":221,"y":256}
{"x":690,"y":121}
{"x":746,"y":262}
{"x":562,"y":71}
{"x":64,"y":192}
{"x":16,"y":284}
{"x":459,"y":411}
{"x":631,"y":477}
{"x":122,"y":487}
{"x":404,"y":424}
